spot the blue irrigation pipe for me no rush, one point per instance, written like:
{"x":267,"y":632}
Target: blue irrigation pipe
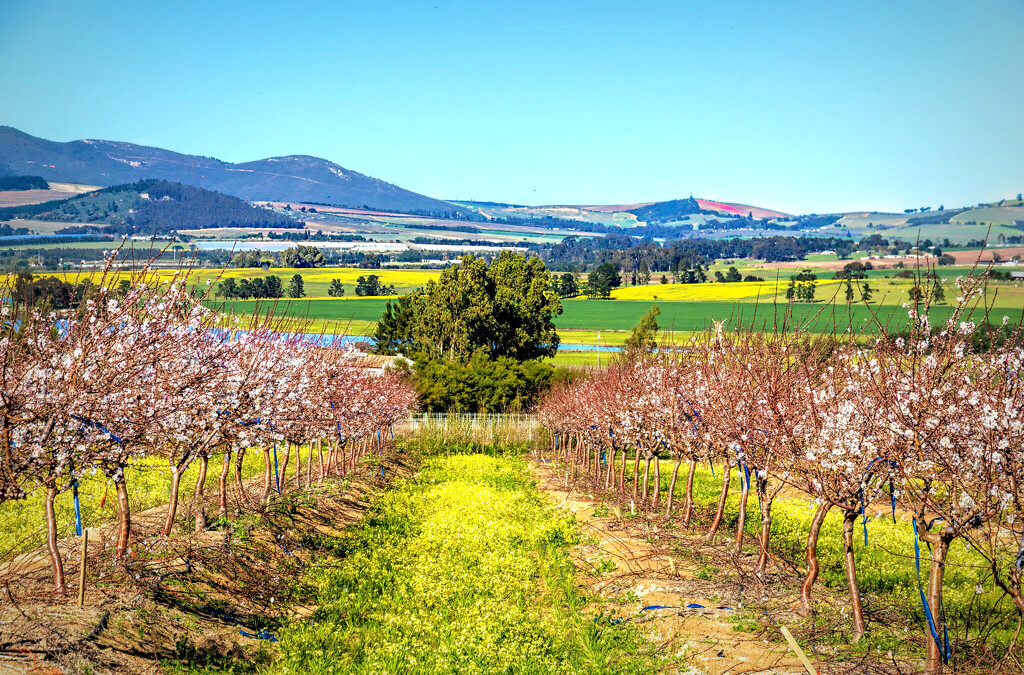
{"x":929,"y":617}
{"x":78,"y":508}
{"x":277,"y":478}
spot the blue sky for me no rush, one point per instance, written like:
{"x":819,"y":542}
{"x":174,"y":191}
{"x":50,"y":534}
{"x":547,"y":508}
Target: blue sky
{"x":805,"y":107}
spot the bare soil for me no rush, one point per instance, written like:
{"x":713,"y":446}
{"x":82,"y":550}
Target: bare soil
{"x":199,"y":598}
{"x":657,"y":563}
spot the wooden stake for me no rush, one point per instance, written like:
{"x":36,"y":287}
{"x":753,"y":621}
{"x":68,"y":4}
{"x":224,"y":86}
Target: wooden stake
{"x":81,"y":573}
{"x":799,"y":652}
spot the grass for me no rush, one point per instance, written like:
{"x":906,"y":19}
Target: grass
{"x":148,"y":480}
{"x":461,"y":570}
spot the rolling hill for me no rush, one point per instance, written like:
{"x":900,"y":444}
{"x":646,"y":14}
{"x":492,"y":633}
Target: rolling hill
{"x":299,"y":178}
{"x":150,"y":207}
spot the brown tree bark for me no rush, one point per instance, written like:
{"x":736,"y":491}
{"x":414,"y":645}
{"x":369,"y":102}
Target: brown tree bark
{"x":239,"y":483}
{"x":940,"y":542}
{"x":124,"y":518}
{"x":744,"y":491}
{"x":849,"y":520}
{"x":51,"y":541}
{"x":204,"y":461}
{"x":647,"y":475}
{"x":765,"y":502}
{"x":172,"y":502}
{"x":268,"y":473}
{"x":222,"y":484}
{"x":283,"y":477}
{"x":657,"y":482}
{"x":720,"y":509}
{"x":672,"y":485}
{"x":806,"y":607}
{"x":688,"y":506}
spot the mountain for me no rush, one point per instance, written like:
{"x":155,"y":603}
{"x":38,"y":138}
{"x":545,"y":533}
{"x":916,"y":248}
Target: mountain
{"x":150,"y":206}
{"x":294,"y":178}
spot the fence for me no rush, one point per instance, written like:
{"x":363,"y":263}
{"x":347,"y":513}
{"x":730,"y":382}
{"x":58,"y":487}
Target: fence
{"x":480,"y":428}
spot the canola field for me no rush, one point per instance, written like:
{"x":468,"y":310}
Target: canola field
{"x":462,"y":569}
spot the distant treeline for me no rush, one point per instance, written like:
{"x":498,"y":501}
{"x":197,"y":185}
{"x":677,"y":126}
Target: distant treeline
{"x":586,"y":252}
{"x":23,"y":183}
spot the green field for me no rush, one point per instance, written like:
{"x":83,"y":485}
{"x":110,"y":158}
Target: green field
{"x":622,"y":315}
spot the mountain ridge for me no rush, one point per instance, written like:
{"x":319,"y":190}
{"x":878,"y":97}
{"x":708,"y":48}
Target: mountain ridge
{"x":298,"y":178}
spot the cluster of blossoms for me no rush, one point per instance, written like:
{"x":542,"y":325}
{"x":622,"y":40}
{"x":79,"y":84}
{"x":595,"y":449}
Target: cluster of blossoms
{"x":926,"y":423}
{"x":149,"y":371}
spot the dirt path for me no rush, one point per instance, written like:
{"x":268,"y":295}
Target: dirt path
{"x":721,"y":638}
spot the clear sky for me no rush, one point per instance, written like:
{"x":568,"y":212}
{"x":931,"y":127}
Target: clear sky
{"x":802,"y":106}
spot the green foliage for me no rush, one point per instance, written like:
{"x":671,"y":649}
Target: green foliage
{"x":481,"y":384}
{"x":731,"y":276}
{"x":462,"y":570}
{"x":269,"y":286}
{"x":567,"y":286}
{"x":296,"y":287}
{"x":505,"y":309}
{"x":644,"y":337}
{"x":370,"y":285}
{"x":302,"y":256}
{"x":23,"y":183}
{"x":336,"y":289}
{"x":602,"y":280}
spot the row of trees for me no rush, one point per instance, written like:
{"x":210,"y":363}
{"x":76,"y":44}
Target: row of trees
{"x":921,"y":420}
{"x":154,"y":374}
{"x":259,"y":288}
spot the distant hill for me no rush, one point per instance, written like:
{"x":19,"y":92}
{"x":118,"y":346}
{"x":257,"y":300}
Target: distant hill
{"x":296,"y":178}
{"x":665,"y":212}
{"x":22,"y":183}
{"x":150,"y":207}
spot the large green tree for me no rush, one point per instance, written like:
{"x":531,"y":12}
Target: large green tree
{"x":644,"y":337}
{"x":602,"y":280}
{"x":505,"y":309}
{"x":302,"y":256}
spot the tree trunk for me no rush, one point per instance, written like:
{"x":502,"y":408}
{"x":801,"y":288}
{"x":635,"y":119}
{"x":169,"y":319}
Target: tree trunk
{"x":298,"y":466}
{"x":223,"y":483}
{"x":688,"y":506}
{"x":268,"y":473}
{"x":766,"y":527}
{"x":806,"y":608}
{"x":51,"y":541}
{"x":849,"y":520}
{"x":657,"y":482}
{"x":172,"y":503}
{"x":672,"y":485}
{"x":284,"y":466}
{"x":609,"y":474}
{"x":940,"y":547}
{"x":124,"y":518}
{"x":622,"y":470}
{"x":204,"y":460}
{"x":636,"y":473}
{"x":320,"y":454}
{"x":720,"y":510}
{"x":239,"y":458}
{"x":647,"y":476}
{"x":744,"y":491}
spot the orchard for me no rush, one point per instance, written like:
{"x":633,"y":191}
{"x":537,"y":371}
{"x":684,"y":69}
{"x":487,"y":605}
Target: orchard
{"x":923,"y":424}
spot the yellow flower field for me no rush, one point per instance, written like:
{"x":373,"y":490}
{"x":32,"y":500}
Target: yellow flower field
{"x":712,"y":291}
